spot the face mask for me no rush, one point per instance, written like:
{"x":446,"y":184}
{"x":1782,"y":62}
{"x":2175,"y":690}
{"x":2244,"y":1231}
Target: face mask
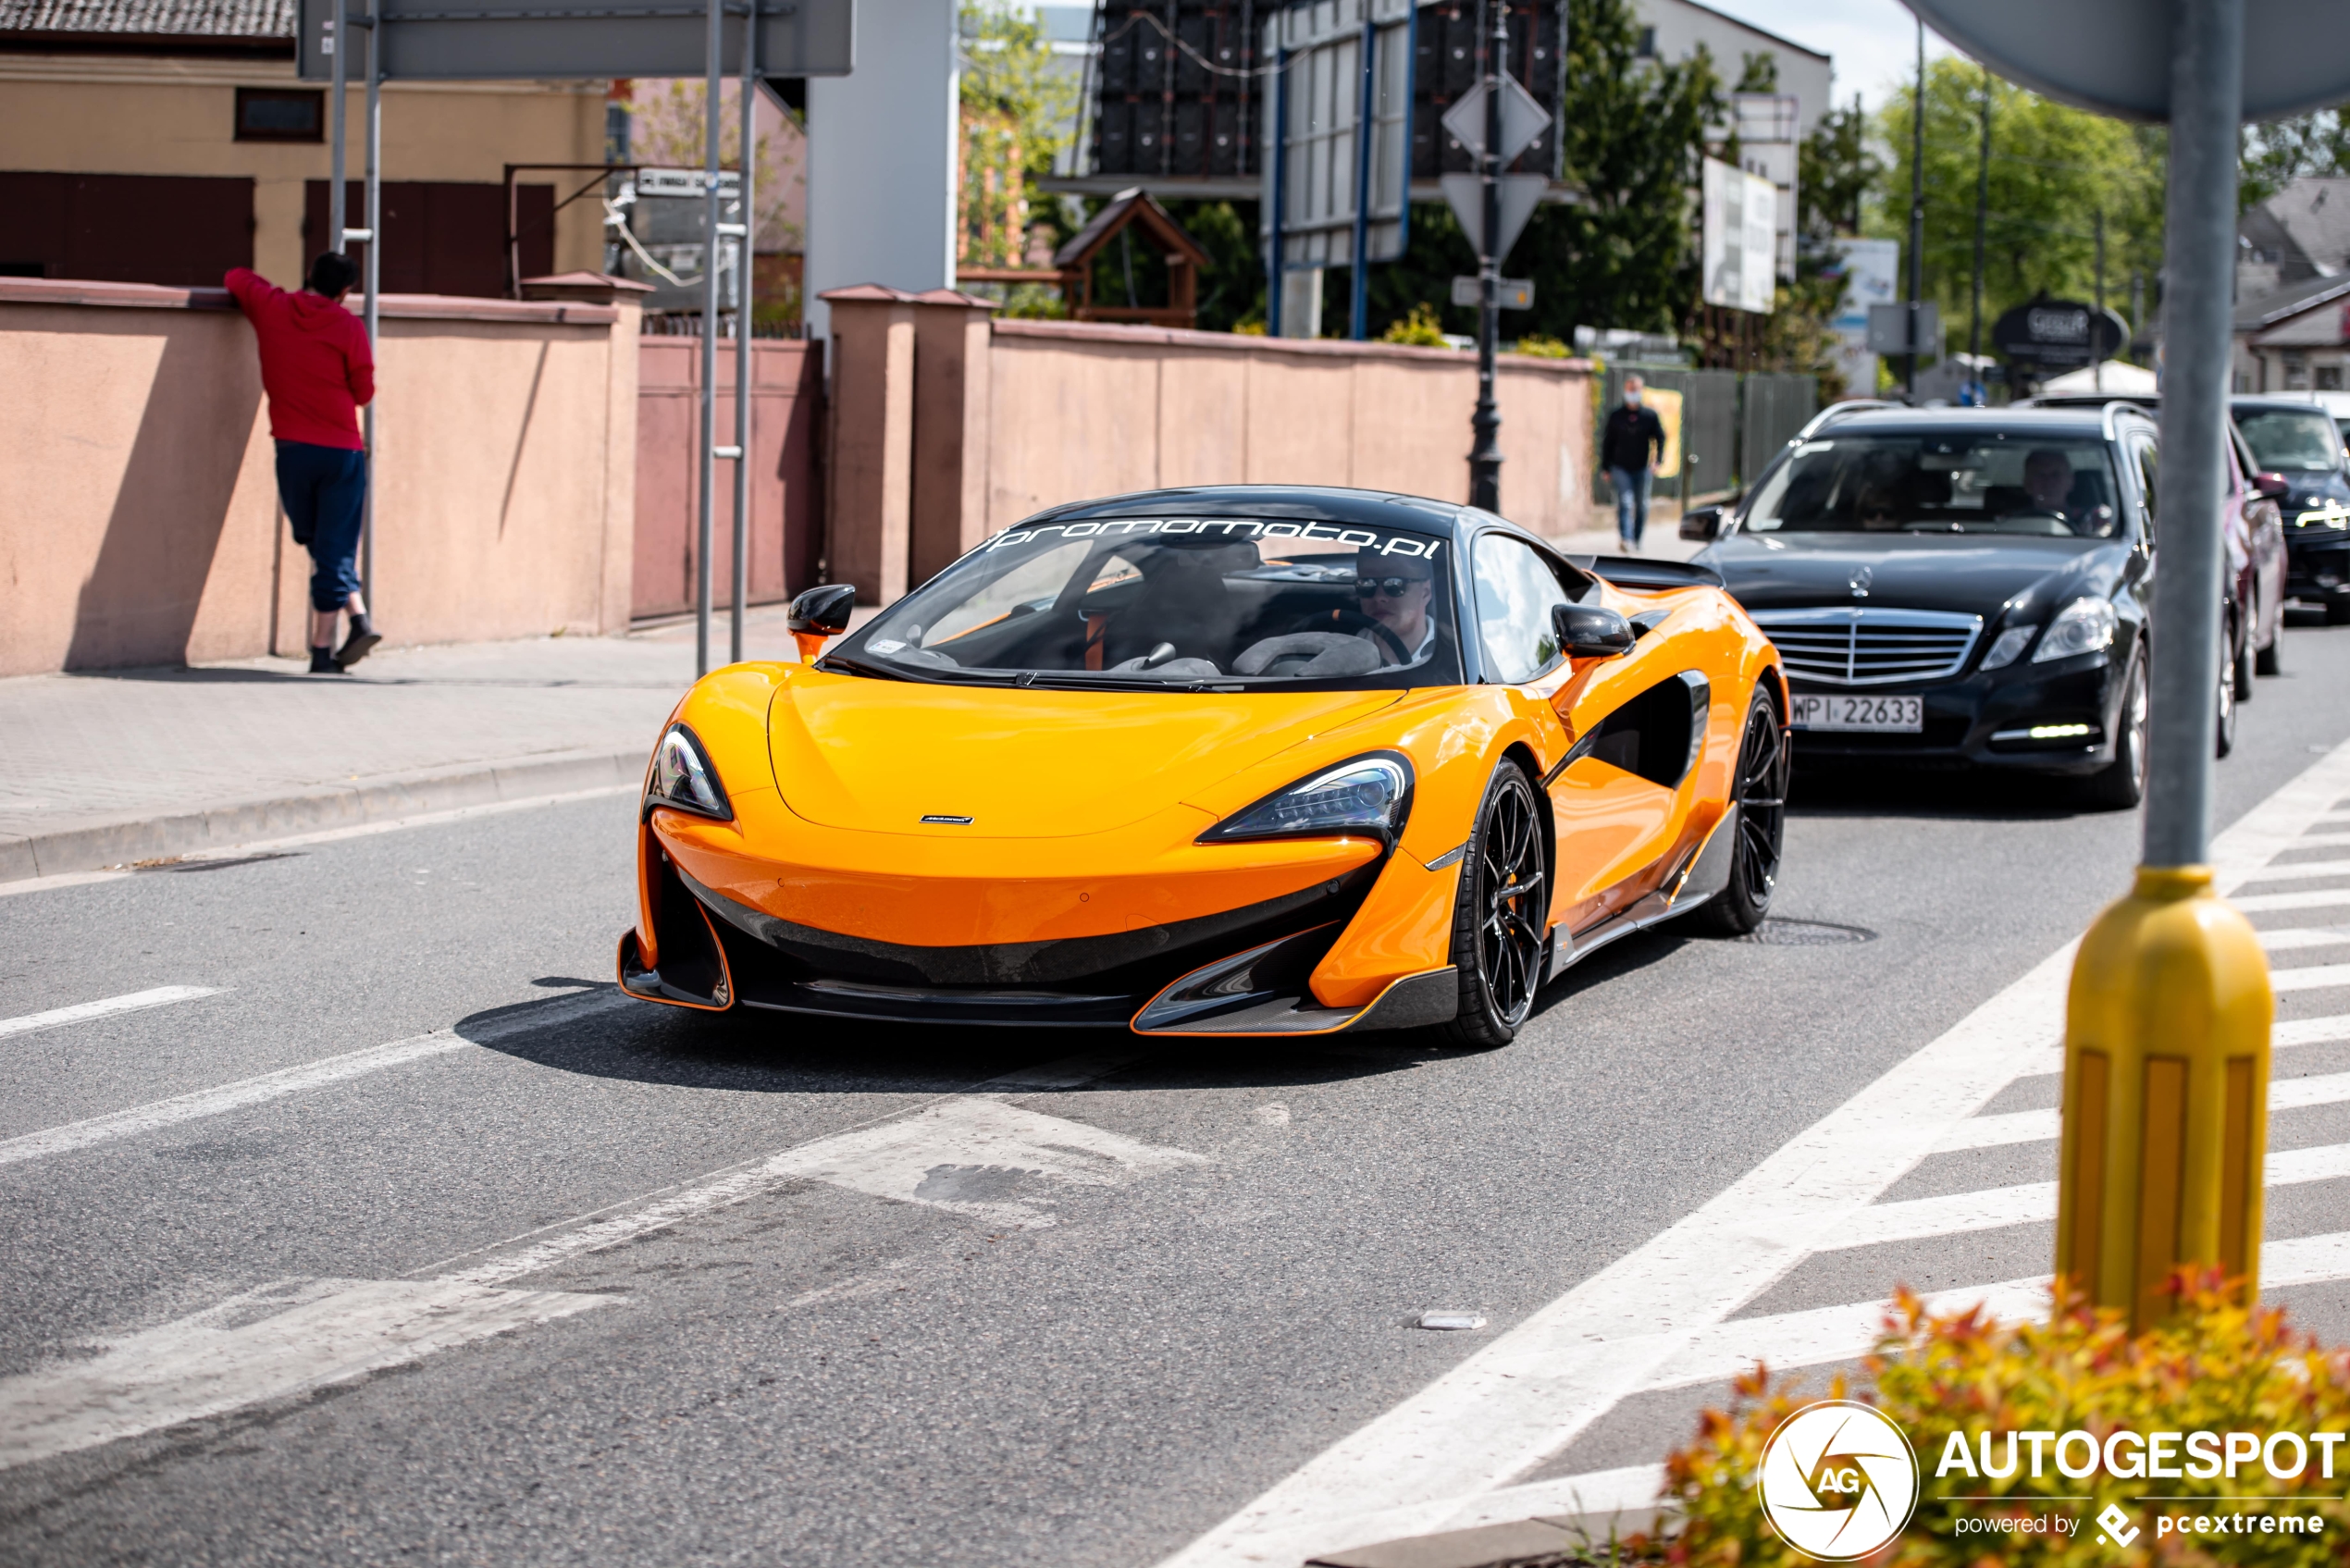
{"x":1631,"y":397}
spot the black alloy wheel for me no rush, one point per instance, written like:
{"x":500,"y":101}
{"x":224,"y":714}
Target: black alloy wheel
{"x":1765,"y":764}
{"x":1500,"y":915}
{"x":2123,"y":782}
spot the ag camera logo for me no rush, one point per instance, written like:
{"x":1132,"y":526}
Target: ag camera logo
{"x":1838,"y":1480}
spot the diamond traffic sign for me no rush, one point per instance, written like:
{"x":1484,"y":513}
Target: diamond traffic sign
{"x":1520,"y":192}
{"x":1523,"y":119}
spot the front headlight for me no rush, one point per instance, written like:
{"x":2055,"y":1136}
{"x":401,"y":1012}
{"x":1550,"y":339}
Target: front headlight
{"x":682,"y":779}
{"x":2083,"y":626}
{"x":2009,"y":647}
{"x":1370,"y":795}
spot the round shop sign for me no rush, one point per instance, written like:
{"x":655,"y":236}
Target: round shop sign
{"x":1838,"y":1480}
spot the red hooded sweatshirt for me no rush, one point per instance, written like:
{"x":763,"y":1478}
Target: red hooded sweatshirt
{"x":314,"y":362}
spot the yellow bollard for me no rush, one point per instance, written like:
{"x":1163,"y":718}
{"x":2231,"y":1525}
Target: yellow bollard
{"x":2166,"y":1095}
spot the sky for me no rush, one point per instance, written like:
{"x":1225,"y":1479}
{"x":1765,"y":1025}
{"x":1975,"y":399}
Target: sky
{"x":1873,"y":42}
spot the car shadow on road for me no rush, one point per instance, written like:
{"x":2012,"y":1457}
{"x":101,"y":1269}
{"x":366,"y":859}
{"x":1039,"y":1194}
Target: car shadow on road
{"x":590,"y":1028}
{"x":1987,"y":794}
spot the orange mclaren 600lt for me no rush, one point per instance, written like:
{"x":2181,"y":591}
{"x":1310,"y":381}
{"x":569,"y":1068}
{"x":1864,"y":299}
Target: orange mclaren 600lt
{"x":1244,"y":761}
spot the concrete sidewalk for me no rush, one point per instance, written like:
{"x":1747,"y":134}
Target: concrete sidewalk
{"x":113,"y":767}
{"x":110,"y":768}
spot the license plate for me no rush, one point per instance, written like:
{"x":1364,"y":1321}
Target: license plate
{"x":1882,"y":715}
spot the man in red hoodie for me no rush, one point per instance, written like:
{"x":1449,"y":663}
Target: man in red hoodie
{"x":318,"y":369}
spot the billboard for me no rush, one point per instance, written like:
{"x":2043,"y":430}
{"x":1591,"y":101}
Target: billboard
{"x":1345,"y":139}
{"x":1738,"y":245}
{"x":523,"y":39}
{"x":1872,"y":270}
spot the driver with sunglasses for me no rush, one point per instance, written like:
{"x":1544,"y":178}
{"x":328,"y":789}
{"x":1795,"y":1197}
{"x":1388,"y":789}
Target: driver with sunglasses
{"x":1394,"y":591}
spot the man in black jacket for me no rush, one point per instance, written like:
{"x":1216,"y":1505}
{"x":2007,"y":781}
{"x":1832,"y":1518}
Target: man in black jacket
{"x":1629,"y":446}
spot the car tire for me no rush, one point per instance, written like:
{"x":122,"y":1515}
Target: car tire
{"x":2244,"y":672}
{"x":2225,"y":728}
{"x":2122,"y":784}
{"x":2269,"y":660}
{"x":1500,"y":936}
{"x":2338,"y":611}
{"x":1759,"y":797}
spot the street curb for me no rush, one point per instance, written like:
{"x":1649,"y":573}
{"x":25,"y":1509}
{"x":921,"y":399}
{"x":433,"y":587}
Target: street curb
{"x":401,"y":795}
{"x":1544,"y":1540}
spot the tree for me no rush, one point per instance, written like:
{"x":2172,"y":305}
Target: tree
{"x":2053,"y":169}
{"x":1835,"y":172}
{"x":2281,"y":152}
{"x":1014,"y":101}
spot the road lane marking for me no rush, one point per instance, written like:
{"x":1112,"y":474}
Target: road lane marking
{"x":2302,"y":871}
{"x":269,"y":1086}
{"x":1991,"y":1208}
{"x":2037,"y":1127}
{"x":1499,"y":1415}
{"x":1813,"y":1337}
{"x":81,"y":1012}
{"x":279,"y":1342}
{"x":2311,"y":977}
{"x":536,"y":1251}
{"x":2266,"y":903}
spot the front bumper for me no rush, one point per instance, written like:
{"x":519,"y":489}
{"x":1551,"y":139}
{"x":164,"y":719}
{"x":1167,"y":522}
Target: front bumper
{"x":1987,"y":719}
{"x":2317,"y":564}
{"x":1246,"y":969}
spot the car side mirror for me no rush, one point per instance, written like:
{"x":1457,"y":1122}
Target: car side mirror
{"x":2276,"y":486}
{"x":819,"y":613}
{"x":1704,"y":524}
{"x":1592,"y":631}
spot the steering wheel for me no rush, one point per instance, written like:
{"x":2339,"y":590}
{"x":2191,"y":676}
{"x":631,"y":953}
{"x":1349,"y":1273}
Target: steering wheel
{"x":1355,"y":620}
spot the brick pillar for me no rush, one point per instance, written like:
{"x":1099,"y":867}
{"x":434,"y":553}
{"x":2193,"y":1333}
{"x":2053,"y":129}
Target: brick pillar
{"x":869,"y":482}
{"x":949,"y":517}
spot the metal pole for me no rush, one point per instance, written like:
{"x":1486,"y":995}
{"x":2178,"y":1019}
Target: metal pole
{"x":1275,"y":268}
{"x":1485,"y":455}
{"x":1982,"y":207}
{"x":714,"y":47}
{"x":1359,"y":319}
{"x":374,"y":284}
{"x":337,"y":209}
{"x":749,"y":210}
{"x":1917,"y":222}
{"x":2098,"y":327}
{"x":2207,"y":98}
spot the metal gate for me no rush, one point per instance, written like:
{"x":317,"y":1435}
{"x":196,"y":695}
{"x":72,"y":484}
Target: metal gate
{"x":1772,"y":405}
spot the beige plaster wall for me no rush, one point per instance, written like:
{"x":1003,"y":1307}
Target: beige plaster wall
{"x":1080,"y":410}
{"x":132,"y":114}
{"x":138,"y":512}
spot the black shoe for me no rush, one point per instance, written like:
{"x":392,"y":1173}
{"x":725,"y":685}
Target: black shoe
{"x":357,"y":646}
{"x":322,"y":662}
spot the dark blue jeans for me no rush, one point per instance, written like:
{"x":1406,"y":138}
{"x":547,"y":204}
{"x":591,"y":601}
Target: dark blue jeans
{"x":1631,"y":501}
{"x":324,"y":491}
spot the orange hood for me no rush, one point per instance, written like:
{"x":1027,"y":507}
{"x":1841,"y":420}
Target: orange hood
{"x":1023,"y":763}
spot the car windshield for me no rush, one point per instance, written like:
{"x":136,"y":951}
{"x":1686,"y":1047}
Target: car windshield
{"x":1235,"y":602}
{"x":2056,"y":485}
{"x":2291,"y":439}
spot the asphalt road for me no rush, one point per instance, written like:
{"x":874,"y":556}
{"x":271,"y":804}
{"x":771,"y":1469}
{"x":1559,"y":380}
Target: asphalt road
{"x":591,"y":1281}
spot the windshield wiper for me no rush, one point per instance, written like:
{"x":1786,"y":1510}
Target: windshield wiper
{"x":849,"y":664}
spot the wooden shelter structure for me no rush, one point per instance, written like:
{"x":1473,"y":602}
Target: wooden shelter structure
{"x":1132,"y":210}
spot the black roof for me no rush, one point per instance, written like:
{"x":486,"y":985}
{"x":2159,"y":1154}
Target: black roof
{"x":1330,"y":503}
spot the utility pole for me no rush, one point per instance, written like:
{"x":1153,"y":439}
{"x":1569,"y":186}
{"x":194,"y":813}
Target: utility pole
{"x":1917,"y":222}
{"x":744,"y":208}
{"x":1982,"y":207}
{"x":703,"y":576}
{"x":1485,"y":455}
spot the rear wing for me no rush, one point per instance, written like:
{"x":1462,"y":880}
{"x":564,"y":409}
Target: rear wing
{"x":1640,"y":572}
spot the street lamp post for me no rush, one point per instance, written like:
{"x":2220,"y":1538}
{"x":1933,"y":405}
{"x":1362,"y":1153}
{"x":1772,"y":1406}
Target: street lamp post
{"x":1485,"y":455}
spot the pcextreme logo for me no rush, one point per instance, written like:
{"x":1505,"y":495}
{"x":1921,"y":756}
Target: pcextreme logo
{"x":1838,"y":1480}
